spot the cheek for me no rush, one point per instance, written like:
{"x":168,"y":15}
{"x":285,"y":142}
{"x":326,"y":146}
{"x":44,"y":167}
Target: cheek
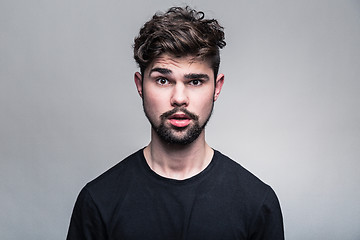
{"x":154,"y":104}
{"x":203,"y":104}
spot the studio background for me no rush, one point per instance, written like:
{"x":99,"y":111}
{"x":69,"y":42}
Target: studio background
{"x":288,"y":112}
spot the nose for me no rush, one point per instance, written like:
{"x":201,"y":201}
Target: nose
{"x":179,"y":96}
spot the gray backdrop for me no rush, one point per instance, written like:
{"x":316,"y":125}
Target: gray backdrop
{"x":289,"y":110}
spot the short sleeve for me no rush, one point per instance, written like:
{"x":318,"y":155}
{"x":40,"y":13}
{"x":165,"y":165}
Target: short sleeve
{"x":86,"y":222}
{"x":268,"y":224}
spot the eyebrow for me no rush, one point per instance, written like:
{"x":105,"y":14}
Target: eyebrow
{"x":197,"y":76}
{"x":167,"y":71}
{"x":161,"y":70}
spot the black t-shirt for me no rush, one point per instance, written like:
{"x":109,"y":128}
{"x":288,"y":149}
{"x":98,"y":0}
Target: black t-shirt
{"x":130,"y":201}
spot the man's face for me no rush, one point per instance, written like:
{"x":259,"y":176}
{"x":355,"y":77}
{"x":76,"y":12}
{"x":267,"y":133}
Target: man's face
{"x":178,"y":97}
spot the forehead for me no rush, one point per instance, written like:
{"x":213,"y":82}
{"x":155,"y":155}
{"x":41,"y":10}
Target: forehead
{"x":184,"y":64}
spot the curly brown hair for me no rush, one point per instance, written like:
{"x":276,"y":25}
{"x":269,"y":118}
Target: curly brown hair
{"x":179,"y":32}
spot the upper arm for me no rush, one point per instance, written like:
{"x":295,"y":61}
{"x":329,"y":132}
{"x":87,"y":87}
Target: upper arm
{"x":268,"y":224}
{"x":86,"y":222}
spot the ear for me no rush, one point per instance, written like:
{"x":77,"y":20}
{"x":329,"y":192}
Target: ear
{"x":138,"y":83}
{"x":218,"y":85}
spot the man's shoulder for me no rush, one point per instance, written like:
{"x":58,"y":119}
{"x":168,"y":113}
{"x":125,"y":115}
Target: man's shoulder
{"x":238,"y":175}
{"x":233,"y":166}
{"x":118,"y":174}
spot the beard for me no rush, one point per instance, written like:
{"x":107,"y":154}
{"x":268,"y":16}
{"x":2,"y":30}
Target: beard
{"x":179,"y":135}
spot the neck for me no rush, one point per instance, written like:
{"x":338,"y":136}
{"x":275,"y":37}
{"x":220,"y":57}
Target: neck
{"x":178,"y":161}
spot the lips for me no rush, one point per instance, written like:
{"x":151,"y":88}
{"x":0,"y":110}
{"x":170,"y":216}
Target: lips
{"x":179,"y":120}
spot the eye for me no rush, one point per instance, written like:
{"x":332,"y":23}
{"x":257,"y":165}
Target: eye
{"x":162,"y":81}
{"x":196,"y":82}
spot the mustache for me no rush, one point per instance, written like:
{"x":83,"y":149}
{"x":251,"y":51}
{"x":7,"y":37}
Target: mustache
{"x":178,"y":109}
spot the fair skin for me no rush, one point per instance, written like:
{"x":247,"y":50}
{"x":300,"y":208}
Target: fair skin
{"x":169,"y":83}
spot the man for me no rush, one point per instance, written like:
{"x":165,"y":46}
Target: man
{"x":177,"y":187}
